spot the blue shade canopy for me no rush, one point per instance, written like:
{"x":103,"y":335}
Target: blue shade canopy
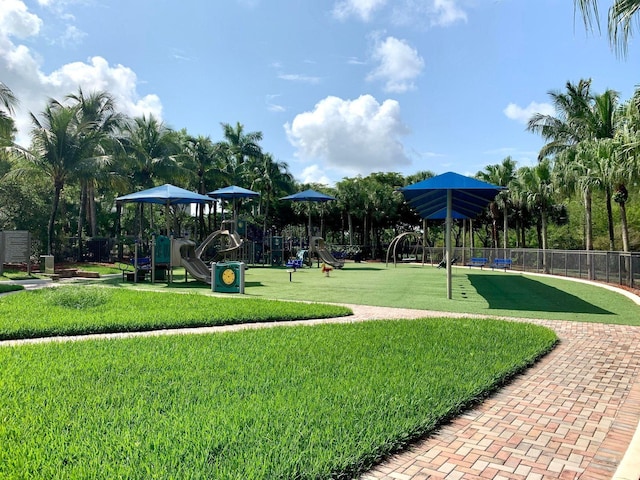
{"x":233,"y":191}
{"x":309,"y":196}
{"x":166,"y":194}
{"x":469,"y":196}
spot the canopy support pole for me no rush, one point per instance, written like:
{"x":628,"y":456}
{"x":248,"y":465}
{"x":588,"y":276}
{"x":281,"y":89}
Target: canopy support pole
{"x":447,"y":241}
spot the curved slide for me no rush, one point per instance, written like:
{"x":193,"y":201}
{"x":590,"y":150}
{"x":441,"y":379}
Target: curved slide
{"x":184,"y":251}
{"x":197,"y":269}
{"x":326,"y":256}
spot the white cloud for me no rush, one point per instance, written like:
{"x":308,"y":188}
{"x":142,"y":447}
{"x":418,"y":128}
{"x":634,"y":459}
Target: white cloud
{"x":447,"y":12}
{"x":20,"y":70}
{"x":398,"y":65}
{"x":351,"y":136}
{"x":403,"y":12}
{"x":16,"y":21}
{"x":295,"y":77}
{"x":522,"y":115}
{"x":362,"y":9}
{"x":315,"y":174}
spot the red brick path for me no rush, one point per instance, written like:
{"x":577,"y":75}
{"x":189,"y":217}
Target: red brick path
{"x":570,"y":416}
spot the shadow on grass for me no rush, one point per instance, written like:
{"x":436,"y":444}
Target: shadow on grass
{"x":511,"y":292}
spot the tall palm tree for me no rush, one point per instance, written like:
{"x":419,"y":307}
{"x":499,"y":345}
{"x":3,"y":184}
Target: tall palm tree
{"x":271,"y":178}
{"x":152,"y":150}
{"x":60,"y":145}
{"x":502,"y":174}
{"x":579,"y":135}
{"x":98,"y":111}
{"x":621,"y":16}
{"x":627,"y":162}
{"x":7,"y":104}
{"x":538,"y":185}
{"x":239,"y":147}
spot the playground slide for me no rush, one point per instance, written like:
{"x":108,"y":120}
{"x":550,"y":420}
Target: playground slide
{"x":232,"y":241}
{"x":184,"y":256}
{"x":326,"y":257}
{"x":197,"y":269}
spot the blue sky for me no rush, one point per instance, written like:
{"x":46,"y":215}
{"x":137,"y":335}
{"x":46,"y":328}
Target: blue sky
{"x":337,"y":87}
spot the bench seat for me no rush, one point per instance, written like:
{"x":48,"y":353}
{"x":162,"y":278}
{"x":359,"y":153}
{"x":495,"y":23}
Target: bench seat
{"x":501,"y":263}
{"x":477,"y":262}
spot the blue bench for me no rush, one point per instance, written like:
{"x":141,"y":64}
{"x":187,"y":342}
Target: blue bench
{"x":294,"y":263}
{"x":501,"y":263}
{"x":477,"y":262}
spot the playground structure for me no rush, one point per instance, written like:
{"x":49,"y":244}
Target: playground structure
{"x":410,"y":244}
{"x":167,"y":253}
{"x":318,"y":247}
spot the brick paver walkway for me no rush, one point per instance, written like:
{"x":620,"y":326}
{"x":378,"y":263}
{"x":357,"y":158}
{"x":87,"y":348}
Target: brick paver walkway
{"x":570,"y":416}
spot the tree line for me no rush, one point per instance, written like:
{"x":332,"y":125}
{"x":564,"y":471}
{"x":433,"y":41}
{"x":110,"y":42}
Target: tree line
{"x":84,"y":153}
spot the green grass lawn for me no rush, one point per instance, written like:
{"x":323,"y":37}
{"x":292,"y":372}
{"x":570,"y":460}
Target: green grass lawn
{"x":424,"y":287}
{"x":297,"y":402}
{"x":76,"y":310}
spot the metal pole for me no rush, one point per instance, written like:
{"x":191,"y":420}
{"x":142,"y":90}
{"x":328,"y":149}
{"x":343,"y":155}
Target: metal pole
{"x":447,"y":241}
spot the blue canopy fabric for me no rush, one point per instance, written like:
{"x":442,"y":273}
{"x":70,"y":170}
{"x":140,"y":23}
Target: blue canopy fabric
{"x":469,"y":196}
{"x":309,"y":196}
{"x":166,"y":194}
{"x":449,"y":196}
{"x":233,"y":191}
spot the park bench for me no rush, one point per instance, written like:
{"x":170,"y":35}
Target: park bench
{"x":477,"y":262}
{"x":294,"y":263}
{"x":501,"y":263}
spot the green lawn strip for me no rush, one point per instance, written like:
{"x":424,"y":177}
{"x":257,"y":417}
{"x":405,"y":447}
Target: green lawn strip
{"x":299,"y":402}
{"x":473,"y":290}
{"x":77,"y":310}
{"x":10,"y":287}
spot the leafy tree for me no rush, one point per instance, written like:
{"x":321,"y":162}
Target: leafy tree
{"x":621,"y":16}
{"x":502,"y":174}
{"x":152,"y":149}
{"x":237,"y":149}
{"x":580,"y":136}
{"x":7,"y":103}
{"x":61,"y":143}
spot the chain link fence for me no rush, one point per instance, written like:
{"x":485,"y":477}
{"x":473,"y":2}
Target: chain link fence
{"x":622,"y":268}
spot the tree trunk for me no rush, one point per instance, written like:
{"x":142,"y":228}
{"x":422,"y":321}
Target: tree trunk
{"x":624,"y":226}
{"x":52,"y":218}
{"x":81,"y":209}
{"x":505,"y":228}
{"x":612,"y":246}
{"x":588,"y":232}
{"x":543,"y":229}
{"x":350,"y":222}
{"x":93,"y":211}
{"x":588,"y":221}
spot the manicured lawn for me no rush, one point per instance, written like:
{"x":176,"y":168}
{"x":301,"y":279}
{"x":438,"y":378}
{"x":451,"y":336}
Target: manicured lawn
{"x":77,"y":310}
{"x":291,"y":402}
{"x":6,"y":287}
{"x":474,"y":291}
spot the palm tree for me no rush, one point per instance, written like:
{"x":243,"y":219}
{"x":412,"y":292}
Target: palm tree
{"x":60,"y":144}
{"x":627,"y":153}
{"x":237,"y":148}
{"x":580,"y":137}
{"x":502,"y":174}
{"x":271,"y":178}
{"x":98,"y":112}
{"x":539,"y":190}
{"x":7,"y":103}
{"x":621,"y":16}
{"x":152,"y":150}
